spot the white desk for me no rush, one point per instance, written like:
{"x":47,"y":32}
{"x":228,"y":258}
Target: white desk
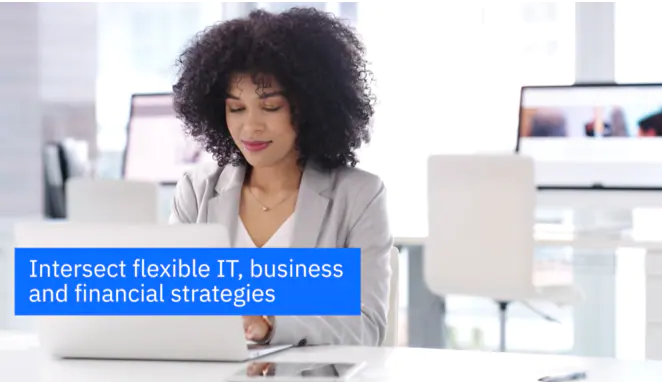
{"x":599,"y":199}
{"x":21,"y":360}
{"x":596,"y":240}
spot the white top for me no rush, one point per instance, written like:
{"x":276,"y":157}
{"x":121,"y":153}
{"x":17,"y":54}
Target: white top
{"x":282,"y":238}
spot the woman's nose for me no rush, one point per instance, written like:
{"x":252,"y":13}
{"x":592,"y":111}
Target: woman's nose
{"x":254,"y":123}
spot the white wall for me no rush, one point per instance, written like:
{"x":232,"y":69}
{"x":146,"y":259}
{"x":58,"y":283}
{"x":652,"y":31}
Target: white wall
{"x":47,"y":91}
{"x":20,"y":110}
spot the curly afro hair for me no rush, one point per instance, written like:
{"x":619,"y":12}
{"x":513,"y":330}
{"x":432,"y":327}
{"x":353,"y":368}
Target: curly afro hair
{"x":316,"y":58}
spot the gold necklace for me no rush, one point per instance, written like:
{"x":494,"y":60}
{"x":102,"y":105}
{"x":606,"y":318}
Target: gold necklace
{"x":264,"y":207}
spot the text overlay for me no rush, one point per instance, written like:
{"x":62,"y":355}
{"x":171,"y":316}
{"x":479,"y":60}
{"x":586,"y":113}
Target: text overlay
{"x":187,"y":281}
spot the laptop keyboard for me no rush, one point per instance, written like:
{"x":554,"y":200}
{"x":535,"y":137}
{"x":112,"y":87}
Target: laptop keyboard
{"x":257,"y":347}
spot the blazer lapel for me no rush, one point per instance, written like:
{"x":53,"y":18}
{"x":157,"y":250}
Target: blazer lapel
{"x":311,"y":207}
{"x":224,"y":207}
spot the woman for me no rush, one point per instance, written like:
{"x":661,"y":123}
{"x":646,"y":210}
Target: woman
{"x":282,"y":102}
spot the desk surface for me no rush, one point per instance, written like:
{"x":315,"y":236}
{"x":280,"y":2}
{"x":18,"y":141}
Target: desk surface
{"x":600,"y":239}
{"x":21,"y":360}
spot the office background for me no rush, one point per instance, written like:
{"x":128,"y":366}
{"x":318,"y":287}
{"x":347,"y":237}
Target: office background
{"x":448,"y":81}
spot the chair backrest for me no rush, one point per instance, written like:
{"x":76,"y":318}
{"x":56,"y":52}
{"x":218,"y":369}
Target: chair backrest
{"x":76,"y":158}
{"x":391,"y":339}
{"x":98,"y":200}
{"x":481,"y":216}
{"x":54,"y":180}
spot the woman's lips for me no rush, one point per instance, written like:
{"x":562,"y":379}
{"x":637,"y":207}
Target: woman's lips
{"x":256,"y":146}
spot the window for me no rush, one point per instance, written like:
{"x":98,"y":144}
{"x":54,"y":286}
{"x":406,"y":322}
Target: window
{"x":637,"y":61}
{"x":138,"y":47}
{"x":539,"y":13}
{"x":139,"y":44}
{"x":448,"y":82}
{"x":345,"y":10}
{"x":280,"y":7}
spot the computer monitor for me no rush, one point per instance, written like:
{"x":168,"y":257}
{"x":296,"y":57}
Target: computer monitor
{"x":606,"y":136}
{"x":158,"y":149}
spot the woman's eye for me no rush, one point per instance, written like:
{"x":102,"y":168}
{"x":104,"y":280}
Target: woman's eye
{"x":271,"y":109}
{"x":235,"y":109}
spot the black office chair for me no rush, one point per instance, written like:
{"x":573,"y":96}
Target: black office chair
{"x":61,"y":162}
{"x":55,"y":175}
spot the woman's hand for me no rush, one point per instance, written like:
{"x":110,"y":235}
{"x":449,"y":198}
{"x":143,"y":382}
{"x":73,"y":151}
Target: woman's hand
{"x":260,"y":369}
{"x":256,"y":328}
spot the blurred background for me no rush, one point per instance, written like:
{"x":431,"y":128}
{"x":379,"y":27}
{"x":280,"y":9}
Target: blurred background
{"x":448,"y":78}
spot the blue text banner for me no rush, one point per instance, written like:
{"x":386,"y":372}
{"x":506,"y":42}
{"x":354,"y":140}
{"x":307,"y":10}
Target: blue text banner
{"x":187,"y":281}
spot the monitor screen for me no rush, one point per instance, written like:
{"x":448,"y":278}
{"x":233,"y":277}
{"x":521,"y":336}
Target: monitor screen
{"x":158,"y":149}
{"x":603,"y":134}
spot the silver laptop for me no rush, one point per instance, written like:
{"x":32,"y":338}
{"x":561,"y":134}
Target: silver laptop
{"x":191,"y":338}
{"x":108,"y":201}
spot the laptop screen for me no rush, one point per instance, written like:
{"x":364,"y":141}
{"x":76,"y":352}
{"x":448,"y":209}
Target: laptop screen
{"x":606,"y":134}
{"x":158,"y":150}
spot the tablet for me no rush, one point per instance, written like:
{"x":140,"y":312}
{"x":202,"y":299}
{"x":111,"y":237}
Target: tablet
{"x":302,"y":372}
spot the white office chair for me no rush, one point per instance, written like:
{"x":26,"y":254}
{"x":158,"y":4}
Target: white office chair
{"x":391,"y":339}
{"x":99,"y":200}
{"x":481,"y":217}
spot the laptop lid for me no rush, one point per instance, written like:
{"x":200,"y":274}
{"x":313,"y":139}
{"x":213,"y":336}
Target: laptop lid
{"x":215,"y":338}
{"x":593,"y":136}
{"x":118,"y":201}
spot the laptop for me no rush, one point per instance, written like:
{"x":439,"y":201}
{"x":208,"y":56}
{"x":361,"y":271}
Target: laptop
{"x":593,"y":136}
{"x":186,"y":338}
{"x":106,"y":200}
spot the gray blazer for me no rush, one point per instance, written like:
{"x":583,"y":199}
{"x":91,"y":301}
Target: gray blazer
{"x":344,"y":208}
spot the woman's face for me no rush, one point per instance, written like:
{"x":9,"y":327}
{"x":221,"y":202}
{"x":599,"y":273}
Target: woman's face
{"x":260,"y":121}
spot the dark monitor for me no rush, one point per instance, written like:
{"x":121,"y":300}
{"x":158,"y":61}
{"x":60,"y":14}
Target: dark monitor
{"x":593,"y":135}
{"x":157,"y":149}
